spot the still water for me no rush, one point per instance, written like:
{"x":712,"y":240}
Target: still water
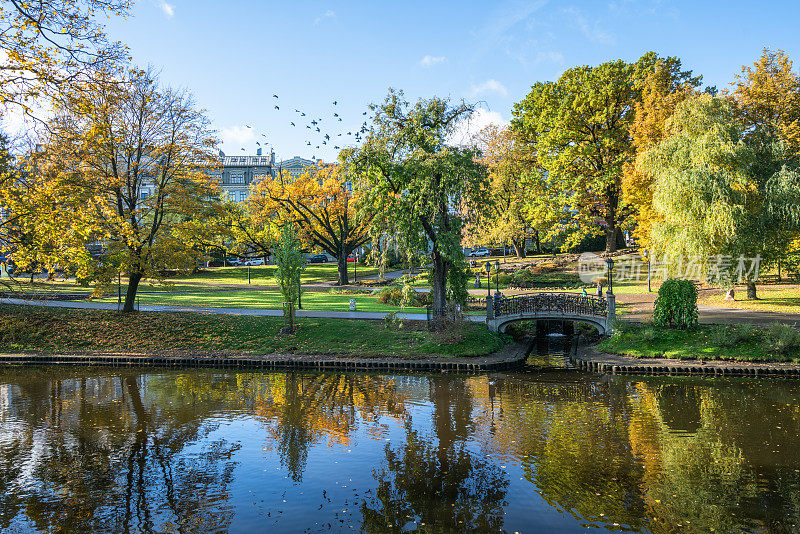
{"x":110,"y":450}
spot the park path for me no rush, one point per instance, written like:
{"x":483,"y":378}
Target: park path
{"x":264,"y":312}
{"x":640,"y":309}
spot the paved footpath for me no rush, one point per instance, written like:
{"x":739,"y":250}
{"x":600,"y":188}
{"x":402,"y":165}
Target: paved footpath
{"x":80,"y":305}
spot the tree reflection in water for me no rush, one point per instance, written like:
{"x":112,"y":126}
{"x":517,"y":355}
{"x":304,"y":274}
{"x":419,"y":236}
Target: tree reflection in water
{"x":442,"y":487}
{"x":95,"y":458}
{"x":89,"y":451}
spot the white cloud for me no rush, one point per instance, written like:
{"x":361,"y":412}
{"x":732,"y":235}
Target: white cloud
{"x":593,"y":31}
{"x":430,"y":61}
{"x":330,"y":14}
{"x":168,"y":9}
{"x":236,"y":136}
{"x":551,"y":56}
{"x":467,"y":129}
{"x":489,"y":86}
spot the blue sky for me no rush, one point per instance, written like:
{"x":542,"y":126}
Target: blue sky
{"x":235,"y":55}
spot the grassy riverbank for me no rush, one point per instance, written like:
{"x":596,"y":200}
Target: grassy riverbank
{"x":775,"y":343}
{"x":54,"y":330}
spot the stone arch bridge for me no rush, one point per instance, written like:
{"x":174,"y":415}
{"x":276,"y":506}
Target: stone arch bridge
{"x":597,"y":311}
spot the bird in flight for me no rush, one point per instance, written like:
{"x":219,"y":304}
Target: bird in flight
{"x":248,"y":125}
{"x":243,"y":150}
{"x":275,"y":96}
{"x":335,"y":102}
{"x":259,"y":144}
{"x":364,"y":113}
{"x":327,"y":137}
{"x":335,"y":114}
{"x":276,"y":107}
{"x":292,"y":123}
{"x":340,"y":119}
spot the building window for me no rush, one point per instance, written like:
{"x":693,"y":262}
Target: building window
{"x":237,"y":178}
{"x":145,"y":194}
{"x":242,"y":196}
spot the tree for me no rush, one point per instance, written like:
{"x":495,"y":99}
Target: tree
{"x":414,"y":182}
{"x":663,"y":89}
{"x":129,"y":160}
{"x":767,"y":97}
{"x":322,"y":205}
{"x":510,"y":167}
{"x":579,"y":126}
{"x":718,"y":196}
{"x":290,"y":262}
{"x":52,"y":46}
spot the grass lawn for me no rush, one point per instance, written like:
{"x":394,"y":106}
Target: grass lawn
{"x":54,"y":330}
{"x":778,"y":298}
{"x":778,"y":342}
{"x":209,"y":297}
{"x":41,"y":287}
{"x":315,"y":273}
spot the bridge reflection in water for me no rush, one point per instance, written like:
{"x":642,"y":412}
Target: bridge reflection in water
{"x":597,"y":311}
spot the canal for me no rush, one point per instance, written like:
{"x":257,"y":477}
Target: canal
{"x":123,"y":450}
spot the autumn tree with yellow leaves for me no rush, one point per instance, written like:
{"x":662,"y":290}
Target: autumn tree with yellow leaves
{"x":52,"y":46}
{"x":513,"y":173}
{"x":127,"y":165}
{"x":663,"y":89}
{"x":321,"y":204}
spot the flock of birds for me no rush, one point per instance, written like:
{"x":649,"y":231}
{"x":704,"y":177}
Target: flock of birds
{"x":333,"y":135}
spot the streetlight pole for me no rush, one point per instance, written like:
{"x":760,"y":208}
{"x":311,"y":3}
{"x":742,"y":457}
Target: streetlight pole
{"x":488,"y":268}
{"x":497,"y":275}
{"x":610,"y":264}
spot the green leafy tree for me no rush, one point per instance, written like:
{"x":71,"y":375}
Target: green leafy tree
{"x":717,"y":195}
{"x":290,"y":262}
{"x":416,"y":182}
{"x":580,"y":127}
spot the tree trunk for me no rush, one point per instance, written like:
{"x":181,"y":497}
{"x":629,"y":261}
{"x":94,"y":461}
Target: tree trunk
{"x":519,"y":248}
{"x":751,"y":291}
{"x":438,"y":284}
{"x":538,"y":242}
{"x":611,"y":238}
{"x":130,"y":294}
{"x":341,"y":260}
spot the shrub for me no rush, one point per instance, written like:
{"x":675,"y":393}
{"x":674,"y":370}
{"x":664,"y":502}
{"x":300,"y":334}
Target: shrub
{"x":390,"y":295}
{"x":504,"y":278}
{"x":676,"y":305}
{"x":733,"y":335}
{"x":544,"y":267}
{"x":782,"y":339}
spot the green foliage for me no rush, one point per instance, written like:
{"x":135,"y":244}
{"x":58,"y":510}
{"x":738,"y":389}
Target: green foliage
{"x":783,"y":339}
{"x":676,"y":305}
{"x":419,"y":184}
{"x":734,"y":335}
{"x":579,"y":126}
{"x":403,"y":294}
{"x":705,"y":342}
{"x":718,"y":192}
{"x":290,"y":262}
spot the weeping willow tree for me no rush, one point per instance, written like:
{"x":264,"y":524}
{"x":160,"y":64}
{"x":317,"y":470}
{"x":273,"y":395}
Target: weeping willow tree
{"x":718,"y":195}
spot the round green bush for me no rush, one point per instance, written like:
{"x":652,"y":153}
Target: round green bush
{"x":676,"y":305}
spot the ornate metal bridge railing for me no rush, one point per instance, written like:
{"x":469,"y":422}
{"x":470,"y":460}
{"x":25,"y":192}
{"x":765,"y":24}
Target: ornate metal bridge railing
{"x":562,"y":303}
